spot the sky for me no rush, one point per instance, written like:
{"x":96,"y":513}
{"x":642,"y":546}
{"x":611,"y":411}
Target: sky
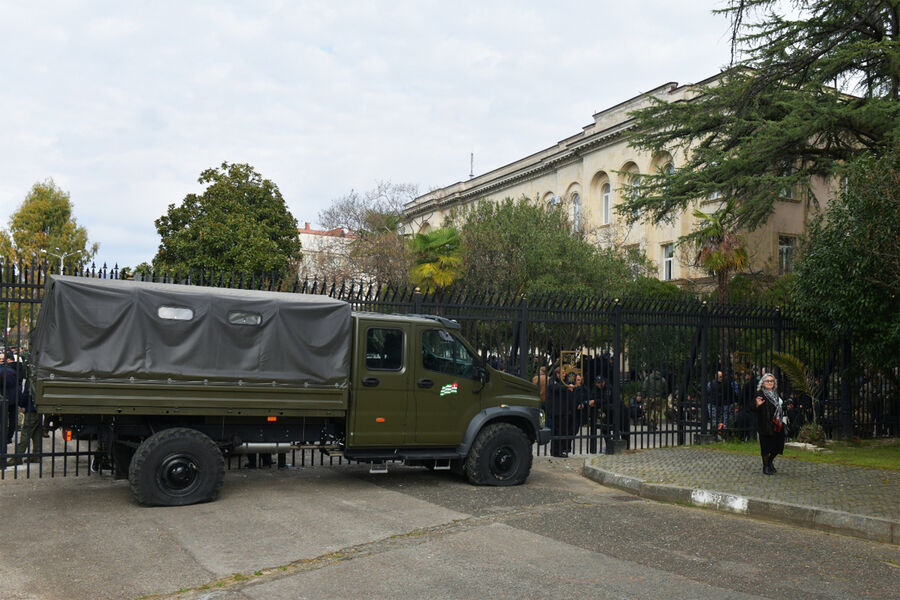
{"x":124,"y":104}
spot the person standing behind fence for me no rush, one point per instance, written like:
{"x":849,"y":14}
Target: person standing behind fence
{"x":655,"y":390}
{"x":559,"y":413}
{"x":721,"y":395}
{"x":9,"y":387}
{"x":769,"y":422}
{"x":31,"y":427}
{"x":540,"y":380}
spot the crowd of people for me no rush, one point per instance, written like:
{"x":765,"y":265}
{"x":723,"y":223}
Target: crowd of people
{"x":571,"y":404}
{"x":730,"y":404}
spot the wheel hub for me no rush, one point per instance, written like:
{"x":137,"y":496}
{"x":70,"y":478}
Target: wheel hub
{"x":504,"y":461}
{"x":178,"y":473}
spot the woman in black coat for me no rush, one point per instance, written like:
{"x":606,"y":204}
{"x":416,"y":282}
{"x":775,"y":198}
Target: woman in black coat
{"x":769,"y":422}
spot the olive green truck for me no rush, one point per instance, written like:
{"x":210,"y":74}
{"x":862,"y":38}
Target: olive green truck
{"x":171,"y":379}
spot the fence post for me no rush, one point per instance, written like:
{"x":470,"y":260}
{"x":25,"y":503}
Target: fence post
{"x":417,"y":302}
{"x":4,"y":428}
{"x":777,"y":342}
{"x":523,"y":337}
{"x":617,"y":366}
{"x":704,"y":367}
{"x":846,"y":400}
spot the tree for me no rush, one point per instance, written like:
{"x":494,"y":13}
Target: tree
{"x":521,"y":247}
{"x":379,"y":252}
{"x":239,"y":223}
{"x":720,"y":250}
{"x":780,"y":116}
{"x":43,"y":228}
{"x":847,"y":284}
{"x":437,"y":258}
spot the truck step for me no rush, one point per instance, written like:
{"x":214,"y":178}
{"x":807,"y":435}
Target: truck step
{"x":378,"y":467}
{"x":442,"y":465}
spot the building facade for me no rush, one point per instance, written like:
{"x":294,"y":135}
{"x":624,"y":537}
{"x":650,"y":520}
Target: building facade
{"x":325,"y":253}
{"x":590,"y":173}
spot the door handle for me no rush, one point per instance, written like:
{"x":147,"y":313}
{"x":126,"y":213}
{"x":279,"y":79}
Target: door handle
{"x":370,"y":381}
{"x":425,"y":383}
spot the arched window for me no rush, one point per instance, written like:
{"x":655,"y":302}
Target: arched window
{"x":605,"y":194}
{"x":634,"y":190}
{"x":576,"y":211}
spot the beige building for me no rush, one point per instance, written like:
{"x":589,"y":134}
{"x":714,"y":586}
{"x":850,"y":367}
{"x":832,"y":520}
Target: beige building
{"x":324,"y":253}
{"x":590,"y":172}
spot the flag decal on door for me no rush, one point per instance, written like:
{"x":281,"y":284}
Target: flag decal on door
{"x":450,"y":388}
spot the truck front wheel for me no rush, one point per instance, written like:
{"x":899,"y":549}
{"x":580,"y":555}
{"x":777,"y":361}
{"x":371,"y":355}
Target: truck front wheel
{"x":176,"y":467}
{"x":501,"y":455}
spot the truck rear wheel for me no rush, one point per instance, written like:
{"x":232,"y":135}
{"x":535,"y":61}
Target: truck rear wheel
{"x":501,"y":455}
{"x":176,"y":467}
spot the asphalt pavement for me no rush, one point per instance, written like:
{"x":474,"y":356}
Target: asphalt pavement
{"x":341,"y":532}
{"x":855,"y":501}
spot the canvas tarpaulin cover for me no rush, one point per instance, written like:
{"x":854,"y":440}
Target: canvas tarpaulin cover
{"x":118,"y":331}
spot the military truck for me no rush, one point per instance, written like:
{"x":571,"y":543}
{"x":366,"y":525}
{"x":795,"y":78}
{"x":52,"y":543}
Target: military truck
{"x":171,"y":379}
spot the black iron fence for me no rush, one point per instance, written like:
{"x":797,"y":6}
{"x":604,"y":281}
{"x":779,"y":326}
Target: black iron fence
{"x":613,"y":373}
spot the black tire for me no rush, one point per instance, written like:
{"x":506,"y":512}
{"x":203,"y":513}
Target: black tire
{"x":501,"y":455}
{"x":176,"y":467}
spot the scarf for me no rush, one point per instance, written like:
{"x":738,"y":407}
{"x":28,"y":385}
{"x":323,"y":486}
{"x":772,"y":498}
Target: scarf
{"x":772,"y":397}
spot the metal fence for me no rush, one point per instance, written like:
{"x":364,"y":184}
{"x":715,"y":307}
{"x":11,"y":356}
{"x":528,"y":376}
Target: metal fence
{"x":613,"y":373}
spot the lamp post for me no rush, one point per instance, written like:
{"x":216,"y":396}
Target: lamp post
{"x":61,"y":256}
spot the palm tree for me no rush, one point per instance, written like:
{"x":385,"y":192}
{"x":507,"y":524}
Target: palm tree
{"x":720,"y":250}
{"x":437,"y":260}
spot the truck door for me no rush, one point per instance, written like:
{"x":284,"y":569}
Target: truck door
{"x":381,"y":385}
{"x":445,"y":384}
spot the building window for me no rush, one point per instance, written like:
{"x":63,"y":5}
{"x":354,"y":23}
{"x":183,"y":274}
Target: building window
{"x":787,"y":248}
{"x":668,"y":252}
{"x":634,"y":192}
{"x":605,"y":192}
{"x":576,"y":212}
{"x":787,"y":192}
{"x":634,"y":257}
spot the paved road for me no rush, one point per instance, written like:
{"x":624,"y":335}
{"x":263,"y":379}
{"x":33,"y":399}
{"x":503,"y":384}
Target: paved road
{"x":343,"y":533}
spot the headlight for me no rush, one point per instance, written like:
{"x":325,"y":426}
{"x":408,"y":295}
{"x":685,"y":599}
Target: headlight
{"x":542,"y":419}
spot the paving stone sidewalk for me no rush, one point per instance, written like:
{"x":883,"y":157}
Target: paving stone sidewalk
{"x":854,"y":500}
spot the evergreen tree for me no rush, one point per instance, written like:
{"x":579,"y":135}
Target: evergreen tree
{"x":804,"y":94}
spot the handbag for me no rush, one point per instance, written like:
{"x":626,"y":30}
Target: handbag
{"x":776,"y":425}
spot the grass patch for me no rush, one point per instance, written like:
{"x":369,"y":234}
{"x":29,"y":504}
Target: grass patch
{"x":876,"y":454}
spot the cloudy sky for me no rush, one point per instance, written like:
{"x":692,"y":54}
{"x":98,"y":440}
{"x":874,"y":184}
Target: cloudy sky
{"x":123,"y":104}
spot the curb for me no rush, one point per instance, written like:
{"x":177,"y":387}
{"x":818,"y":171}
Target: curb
{"x":822,"y":519}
